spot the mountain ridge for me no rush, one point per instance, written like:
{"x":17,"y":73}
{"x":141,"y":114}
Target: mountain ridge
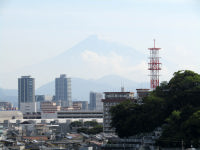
{"x":89,"y":58}
{"x":93,"y":58}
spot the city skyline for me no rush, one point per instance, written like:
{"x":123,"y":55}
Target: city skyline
{"x":32,"y":32}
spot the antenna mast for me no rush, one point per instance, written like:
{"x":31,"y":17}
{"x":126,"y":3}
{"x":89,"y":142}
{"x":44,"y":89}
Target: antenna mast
{"x":154,"y":66}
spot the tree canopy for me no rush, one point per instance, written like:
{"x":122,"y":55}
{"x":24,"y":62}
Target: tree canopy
{"x":88,"y":127}
{"x":174,"y":106}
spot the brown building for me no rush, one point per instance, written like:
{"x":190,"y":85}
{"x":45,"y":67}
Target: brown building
{"x":141,"y":93}
{"x":77,"y":105}
{"x":49,"y":107}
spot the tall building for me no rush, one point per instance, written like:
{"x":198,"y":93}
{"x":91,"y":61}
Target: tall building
{"x":95,"y":101}
{"x":112,"y":99}
{"x":26,"y":94}
{"x":63,"y":90}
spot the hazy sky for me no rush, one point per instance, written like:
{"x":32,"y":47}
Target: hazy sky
{"x":32,"y":31}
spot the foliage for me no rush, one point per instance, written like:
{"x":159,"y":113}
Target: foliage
{"x":174,"y":105}
{"x":130,"y":119}
{"x":90,"y":123}
{"x":76,"y":124}
{"x":88,"y":127}
{"x":95,"y":130}
{"x":191,"y":128}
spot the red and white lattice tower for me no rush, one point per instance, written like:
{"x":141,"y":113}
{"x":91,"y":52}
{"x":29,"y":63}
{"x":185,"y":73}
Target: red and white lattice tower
{"x":154,"y":66}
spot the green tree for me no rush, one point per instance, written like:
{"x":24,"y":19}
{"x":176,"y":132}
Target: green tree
{"x":76,"y":124}
{"x":120,"y":117}
{"x":191,"y":129}
{"x":94,"y":130}
{"x":184,"y":89}
{"x":174,"y":105}
{"x":84,"y":130}
{"x":129,"y":119}
{"x":90,"y":123}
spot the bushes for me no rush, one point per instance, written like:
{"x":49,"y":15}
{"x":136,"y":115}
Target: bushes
{"x":88,"y":127}
{"x":95,"y":130}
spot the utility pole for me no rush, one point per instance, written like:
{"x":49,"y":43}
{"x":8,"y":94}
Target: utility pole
{"x":182,"y":144}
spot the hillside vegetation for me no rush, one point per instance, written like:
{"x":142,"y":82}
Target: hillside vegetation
{"x":174,"y":106}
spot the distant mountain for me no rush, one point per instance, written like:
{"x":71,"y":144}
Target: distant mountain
{"x":81,"y":87}
{"x":91,"y":58}
{"x":108,"y":64}
{"x":10,"y":92}
{"x":8,"y":95}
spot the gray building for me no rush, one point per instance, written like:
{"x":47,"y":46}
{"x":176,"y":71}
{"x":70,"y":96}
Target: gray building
{"x":26,"y":93}
{"x":39,"y":98}
{"x":95,"y":101}
{"x":42,"y":98}
{"x":84,"y":105}
{"x":63,"y":90}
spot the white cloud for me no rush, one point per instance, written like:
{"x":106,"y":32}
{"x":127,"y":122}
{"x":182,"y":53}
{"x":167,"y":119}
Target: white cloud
{"x":115,"y":64}
{"x":94,"y":58}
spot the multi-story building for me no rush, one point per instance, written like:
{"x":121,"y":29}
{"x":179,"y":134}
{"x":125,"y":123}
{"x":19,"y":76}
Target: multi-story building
{"x":26,"y":94}
{"x":42,"y":98}
{"x":95,"y":101}
{"x":49,"y":109}
{"x":87,"y":114}
{"x":112,"y":99}
{"x":141,"y":93}
{"x":63,"y":90}
{"x":77,"y":105}
{"x":83,"y":105}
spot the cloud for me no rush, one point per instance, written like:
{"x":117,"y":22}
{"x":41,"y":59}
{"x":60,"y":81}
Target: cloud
{"x":94,"y":58}
{"x":115,"y":64}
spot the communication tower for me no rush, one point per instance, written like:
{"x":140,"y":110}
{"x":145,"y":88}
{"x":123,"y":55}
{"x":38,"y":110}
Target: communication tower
{"x":154,"y":66}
